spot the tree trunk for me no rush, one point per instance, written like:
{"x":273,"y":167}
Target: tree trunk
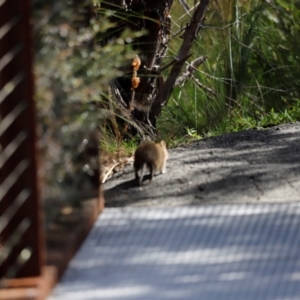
{"x":144,"y":92}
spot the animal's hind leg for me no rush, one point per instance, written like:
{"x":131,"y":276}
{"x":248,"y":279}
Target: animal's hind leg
{"x":151,"y":172}
{"x":142,"y":174}
{"x":136,"y":175}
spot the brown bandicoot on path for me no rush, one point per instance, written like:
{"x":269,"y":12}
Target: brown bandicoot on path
{"x":152,"y":156}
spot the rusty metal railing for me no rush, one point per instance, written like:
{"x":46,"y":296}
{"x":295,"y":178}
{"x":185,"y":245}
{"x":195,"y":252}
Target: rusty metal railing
{"x":21,"y":253}
{"x":23,"y":274}
{"x":19,"y":219}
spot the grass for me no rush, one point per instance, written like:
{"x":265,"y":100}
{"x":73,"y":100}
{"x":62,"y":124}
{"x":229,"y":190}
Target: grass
{"x":251,"y":77}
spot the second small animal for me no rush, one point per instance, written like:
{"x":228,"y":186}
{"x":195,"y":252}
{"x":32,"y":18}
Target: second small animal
{"x":152,"y":156}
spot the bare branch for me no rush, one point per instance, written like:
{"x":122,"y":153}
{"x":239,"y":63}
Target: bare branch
{"x":211,"y":91}
{"x":190,"y":69}
{"x":184,"y":51}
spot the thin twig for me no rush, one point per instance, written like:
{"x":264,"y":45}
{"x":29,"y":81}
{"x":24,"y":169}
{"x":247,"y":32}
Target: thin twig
{"x":190,"y":69}
{"x":211,"y":91}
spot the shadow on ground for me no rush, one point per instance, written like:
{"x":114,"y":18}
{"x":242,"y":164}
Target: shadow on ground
{"x":253,"y":166}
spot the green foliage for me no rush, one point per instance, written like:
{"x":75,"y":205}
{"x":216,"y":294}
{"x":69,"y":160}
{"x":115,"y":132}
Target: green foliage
{"x":110,"y":146}
{"x":271,"y":118}
{"x":252,"y":75}
{"x":192,"y":134}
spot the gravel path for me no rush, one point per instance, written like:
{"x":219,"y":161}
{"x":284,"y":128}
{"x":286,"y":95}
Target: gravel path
{"x":253,"y":166}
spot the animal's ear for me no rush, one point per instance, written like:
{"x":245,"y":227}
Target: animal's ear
{"x":163,"y":144}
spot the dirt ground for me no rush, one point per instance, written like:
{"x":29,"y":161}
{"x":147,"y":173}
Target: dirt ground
{"x":253,"y":166}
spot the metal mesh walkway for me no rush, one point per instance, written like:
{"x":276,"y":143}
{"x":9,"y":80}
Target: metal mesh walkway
{"x":213,"y":252}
